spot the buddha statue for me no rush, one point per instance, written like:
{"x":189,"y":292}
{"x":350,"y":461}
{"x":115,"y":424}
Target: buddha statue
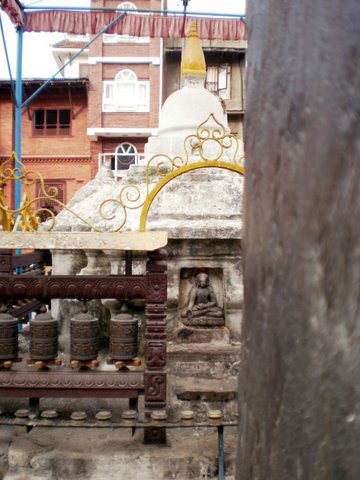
{"x":202,"y":308}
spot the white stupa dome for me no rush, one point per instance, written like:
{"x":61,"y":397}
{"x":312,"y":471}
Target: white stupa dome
{"x":187,"y":108}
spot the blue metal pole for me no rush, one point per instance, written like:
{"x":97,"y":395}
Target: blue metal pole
{"x":221,"y":475}
{"x":30,"y":9}
{"x":18,"y":111}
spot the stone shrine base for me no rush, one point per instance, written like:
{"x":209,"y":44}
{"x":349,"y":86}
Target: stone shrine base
{"x":102,"y":454}
{"x":196,"y":335}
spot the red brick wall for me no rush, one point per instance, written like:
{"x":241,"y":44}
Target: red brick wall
{"x":6,"y":125}
{"x":107,"y":71}
{"x":76,"y":143}
{"x":59,"y":158}
{"x":74,"y":172}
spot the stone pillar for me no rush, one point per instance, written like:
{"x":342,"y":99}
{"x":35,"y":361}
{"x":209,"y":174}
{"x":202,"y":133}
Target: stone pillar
{"x":299,"y":385}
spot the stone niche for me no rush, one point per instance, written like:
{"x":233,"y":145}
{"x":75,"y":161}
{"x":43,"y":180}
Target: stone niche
{"x":203,"y":360}
{"x":221,"y":261}
{"x":201,"y":305}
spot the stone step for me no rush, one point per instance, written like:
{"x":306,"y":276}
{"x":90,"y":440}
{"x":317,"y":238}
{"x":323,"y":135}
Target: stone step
{"x":205,"y":390}
{"x":204,"y":361}
{"x":98,"y":454}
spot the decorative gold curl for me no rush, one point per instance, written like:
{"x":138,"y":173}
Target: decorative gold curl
{"x":28,"y":216}
{"x":129,"y":198}
{"x":160,"y":167}
{"x":207,"y":138}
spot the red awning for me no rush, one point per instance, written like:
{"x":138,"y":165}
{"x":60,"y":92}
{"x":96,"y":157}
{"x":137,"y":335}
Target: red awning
{"x":13,"y":9}
{"x":134,"y":24}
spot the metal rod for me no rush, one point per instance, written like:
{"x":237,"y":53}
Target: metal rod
{"x":40,"y":89}
{"x":18,"y":111}
{"x":7,"y":60}
{"x":107,"y":9}
{"x":220,"y":430}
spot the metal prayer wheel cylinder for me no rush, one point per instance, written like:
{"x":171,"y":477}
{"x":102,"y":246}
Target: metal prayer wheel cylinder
{"x":123,"y":336}
{"x":84,"y":337}
{"x":8,"y":337}
{"x":43,"y":337}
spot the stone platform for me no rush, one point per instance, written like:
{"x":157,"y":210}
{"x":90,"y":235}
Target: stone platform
{"x":203,"y":377}
{"x":102,"y":454}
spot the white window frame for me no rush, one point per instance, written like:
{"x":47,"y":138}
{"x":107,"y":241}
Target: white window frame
{"x":113,"y":94}
{"x":221,"y":91}
{"x":113,"y":38}
{"x":123,"y":150}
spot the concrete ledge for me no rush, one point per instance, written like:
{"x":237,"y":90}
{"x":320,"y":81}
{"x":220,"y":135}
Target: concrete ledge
{"x":141,"y":241}
{"x":208,"y":391}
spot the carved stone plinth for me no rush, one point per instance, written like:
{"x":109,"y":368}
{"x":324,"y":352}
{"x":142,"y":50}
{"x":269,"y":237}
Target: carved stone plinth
{"x":203,"y":321}
{"x":203,"y":335}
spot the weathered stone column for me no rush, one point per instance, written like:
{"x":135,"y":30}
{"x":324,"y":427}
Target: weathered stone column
{"x":299,"y":386}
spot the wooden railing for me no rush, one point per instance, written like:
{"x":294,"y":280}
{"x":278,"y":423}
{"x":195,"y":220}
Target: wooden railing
{"x":34,"y":381}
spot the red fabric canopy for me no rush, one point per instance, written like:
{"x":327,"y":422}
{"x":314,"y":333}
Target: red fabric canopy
{"x":134,"y":24}
{"x":13,"y":9}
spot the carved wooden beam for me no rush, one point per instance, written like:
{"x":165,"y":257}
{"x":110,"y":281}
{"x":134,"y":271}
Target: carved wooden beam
{"x":76,"y":384}
{"x":72,"y":286}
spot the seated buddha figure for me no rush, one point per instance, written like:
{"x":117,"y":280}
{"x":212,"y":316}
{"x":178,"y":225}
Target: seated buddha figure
{"x":202,"y":308}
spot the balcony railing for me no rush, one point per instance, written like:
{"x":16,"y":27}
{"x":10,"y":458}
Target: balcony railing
{"x":119,"y":162}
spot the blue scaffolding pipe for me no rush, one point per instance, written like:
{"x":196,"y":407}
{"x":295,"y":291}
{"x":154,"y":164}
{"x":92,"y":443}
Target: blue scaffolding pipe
{"x":107,"y":9}
{"x":18,"y":111}
{"x":40,"y":89}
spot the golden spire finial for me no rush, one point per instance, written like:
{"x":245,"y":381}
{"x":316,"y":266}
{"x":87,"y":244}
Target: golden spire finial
{"x":193,"y":60}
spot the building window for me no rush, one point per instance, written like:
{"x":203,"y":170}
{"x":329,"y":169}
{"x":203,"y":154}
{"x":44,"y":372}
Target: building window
{"x":218,"y":79}
{"x":126,"y":93}
{"x":56,"y":190}
{"x":125,"y":155}
{"x":48,"y":121}
{"x":114,"y":38}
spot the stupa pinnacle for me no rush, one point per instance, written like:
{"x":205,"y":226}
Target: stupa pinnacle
{"x":193,"y":60}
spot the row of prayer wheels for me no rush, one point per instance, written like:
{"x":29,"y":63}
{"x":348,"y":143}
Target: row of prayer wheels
{"x":84,"y":337}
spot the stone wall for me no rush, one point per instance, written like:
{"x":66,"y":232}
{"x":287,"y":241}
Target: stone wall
{"x":299,"y":386}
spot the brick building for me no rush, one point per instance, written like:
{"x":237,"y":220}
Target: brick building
{"x":54,"y":139}
{"x":107,"y":104}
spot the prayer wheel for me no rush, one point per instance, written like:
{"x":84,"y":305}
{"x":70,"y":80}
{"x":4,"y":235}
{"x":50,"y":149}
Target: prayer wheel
{"x":123,"y":336}
{"x":84,"y":337}
{"x":8,"y":337}
{"x":43,"y":337}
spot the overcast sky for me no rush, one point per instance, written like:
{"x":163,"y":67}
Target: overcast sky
{"x":38,"y":61}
